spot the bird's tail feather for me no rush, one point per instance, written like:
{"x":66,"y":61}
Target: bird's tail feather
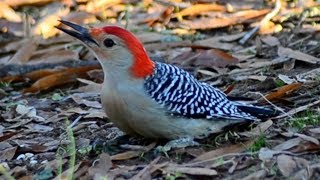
{"x":259,"y":112}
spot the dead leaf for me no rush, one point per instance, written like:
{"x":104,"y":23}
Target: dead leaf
{"x":28,"y":111}
{"x":282,"y":91}
{"x":101,"y":169}
{"x":288,"y":165}
{"x":54,"y":56}
{"x":315,"y":130}
{"x":205,"y":58}
{"x":266,"y":154}
{"x":270,"y":40}
{"x":79,"y":100}
{"x":286,"y":79}
{"x":236,"y":148}
{"x":197,"y":9}
{"x":8,"y":154}
{"x":24,"y":54}
{"x":149,"y":37}
{"x":257,"y":131}
{"x":236,"y":18}
{"x":60,"y":78}
{"x":8,"y":135}
{"x":146,"y":172}
{"x":298,"y":109}
{"x":45,"y":26}
{"x":294,"y":54}
{"x":26,"y":2}
{"x":39,"y":128}
{"x":261,"y":174}
{"x":172,"y":168}
{"x":132,"y":154}
{"x":288,"y":144}
{"x":8,"y":13}
{"x":307,"y":138}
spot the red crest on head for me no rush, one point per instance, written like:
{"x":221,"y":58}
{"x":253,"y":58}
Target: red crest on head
{"x":142,"y":65}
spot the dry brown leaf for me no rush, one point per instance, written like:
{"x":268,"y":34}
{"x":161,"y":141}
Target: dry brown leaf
{"x":24,"y":54}
{"x":261,"y":174}
{"x":80,"y":17}
{"x":205,"y":58}
{"x":220,"y":42}
{"x":146,"y":172}
{"x":282,"y":91}
{"x":294,"y":54}
{"x":315,"y":130}
{"x":236,"y":18}
{"x":149,"y":37}
{"x":132,"y":154}
{"x":167,"y":45}
{"x":288,"y":165}
{"x":46,"y":25}
{"x":163,"y":18}
{"x":27,"y":2}
{"x":101,"y":169}
{"x":172,"y":168}
{"x":288,"y":144}
{"x":197,"y":9}
{"x":8,"y":154}
{"x":236,"y":148}
{"x":257,"y":131}
{"x":54,"y":56}
{"x":270,"y":40}
{"x":8,"y":13}
{"x":60,"y":78}
{"x":8,"y":135}
{"x":79,"y":100}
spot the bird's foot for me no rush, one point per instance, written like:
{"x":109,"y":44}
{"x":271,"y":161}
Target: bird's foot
{"x":178,"y":143}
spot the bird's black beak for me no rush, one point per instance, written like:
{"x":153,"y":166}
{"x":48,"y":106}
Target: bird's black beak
{"x":81,"y":33}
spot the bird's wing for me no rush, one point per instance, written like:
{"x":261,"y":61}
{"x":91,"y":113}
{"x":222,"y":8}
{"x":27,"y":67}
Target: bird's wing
{"x":180,"y":93}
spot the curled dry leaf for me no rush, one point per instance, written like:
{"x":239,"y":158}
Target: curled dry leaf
{"x":8,"y":13}
{"x":132,"y":154}
{"x":205,"y":58}
{"x":8,"y":154}
{"x":101,"y":168}
{"x":190,"y":170}
{"x":24,"y":53}
{"x":294,"y":54}
{"x":288,"y":165}
{"x":236,"y":18}
{"x":257,"y":131}
{"x":282,"y":91}
{"x":45,"y":26}
{"x":59,"y":78}
{"x":199,"y":9}
{"x":237,"y":148}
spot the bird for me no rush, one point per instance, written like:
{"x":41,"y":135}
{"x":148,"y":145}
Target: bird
{"x":154,"y":99}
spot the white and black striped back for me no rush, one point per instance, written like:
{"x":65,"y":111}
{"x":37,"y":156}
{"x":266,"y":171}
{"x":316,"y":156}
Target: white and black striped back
{"x":183,"y":95}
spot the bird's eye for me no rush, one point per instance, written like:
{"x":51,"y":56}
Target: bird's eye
{"x":109,"y":42}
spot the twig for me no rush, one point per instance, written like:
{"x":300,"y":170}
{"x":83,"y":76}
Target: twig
{"x":276,"y":107}
{"x":267,"y":18}
{"x":299,"y":109}
{"x":75,"y":122}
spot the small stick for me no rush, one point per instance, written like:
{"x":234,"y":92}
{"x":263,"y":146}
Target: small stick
{"x":267,"y":18}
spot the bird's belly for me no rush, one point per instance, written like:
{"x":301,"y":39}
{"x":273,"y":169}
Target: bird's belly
{"x":137,"y":115}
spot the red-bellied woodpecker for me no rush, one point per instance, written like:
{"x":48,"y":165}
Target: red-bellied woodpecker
{"x":155,"y":99}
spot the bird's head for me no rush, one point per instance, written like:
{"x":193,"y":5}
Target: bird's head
{"x":115,"y":48}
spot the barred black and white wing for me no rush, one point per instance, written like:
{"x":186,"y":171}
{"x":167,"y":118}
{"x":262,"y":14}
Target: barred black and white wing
{"x":183,"y":95}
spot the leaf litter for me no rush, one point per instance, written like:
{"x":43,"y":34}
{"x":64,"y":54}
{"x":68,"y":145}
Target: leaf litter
{"x":50,"y":82}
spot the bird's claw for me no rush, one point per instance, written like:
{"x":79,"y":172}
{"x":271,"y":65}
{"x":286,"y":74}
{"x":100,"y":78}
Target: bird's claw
{"x":177,"y":143}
